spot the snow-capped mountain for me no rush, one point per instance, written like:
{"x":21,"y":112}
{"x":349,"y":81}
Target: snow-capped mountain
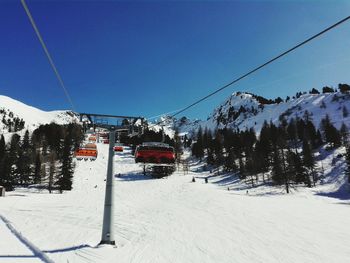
{"x":244,"y":110}
{"x":171,"y":125}
{"x":28,"y":117}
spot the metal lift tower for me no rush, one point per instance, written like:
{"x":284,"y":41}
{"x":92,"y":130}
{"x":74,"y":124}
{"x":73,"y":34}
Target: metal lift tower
{"x":107,"y":227}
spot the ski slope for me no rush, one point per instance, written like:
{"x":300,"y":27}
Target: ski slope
{"x":171,"y":220}
{"x":32,"y":116}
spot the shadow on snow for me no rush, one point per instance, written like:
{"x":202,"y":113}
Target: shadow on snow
{"x":132,"y":176}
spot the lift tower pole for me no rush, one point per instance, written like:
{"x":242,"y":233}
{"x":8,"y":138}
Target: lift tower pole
{"x":107,"y":228}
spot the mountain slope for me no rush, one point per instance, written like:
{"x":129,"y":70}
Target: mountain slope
{"x":244,"y":111}
{"x":32,"y":117}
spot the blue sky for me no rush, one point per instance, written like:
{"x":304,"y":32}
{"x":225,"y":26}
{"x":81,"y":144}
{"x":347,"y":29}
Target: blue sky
{"x":146,"y":58}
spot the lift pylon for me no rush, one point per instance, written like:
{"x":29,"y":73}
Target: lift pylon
{"x":96,"y":120}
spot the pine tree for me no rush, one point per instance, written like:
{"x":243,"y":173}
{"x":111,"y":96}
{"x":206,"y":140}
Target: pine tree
{"x":9,"y":161}
{"x":344,"y":132}
{"x":52,"y":171}
{"x":277,"y":171}
{"x":14,"y":154}
{"x":296,"y":169}
{"x":2,"y":157}
{"x":345,"y":112}
{"x":264,"y":148}
{"x":43,"y":172}
{"x":200,"y":146}
{"x":37,"y":168}
{"x":65,"y":174}
{"x":331,"y":134}
{"x":177,"y":146}
{"x":309,"y":163}
{"x":230,"y":163}
{"x":2,"y":146}
{"x":301,"y":129}
{"x":319,"y":140}
{"x":347,"y":169}
{"x":24,"y":160}
{"x":311,"y":134}
{"x":242,"y":171}
{"x":218,"y":148}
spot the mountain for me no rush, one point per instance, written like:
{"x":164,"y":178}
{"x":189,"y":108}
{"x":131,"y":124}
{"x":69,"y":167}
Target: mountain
{"x":17,"y":116}
{"x":245,"y":110}
{"x":171,"y":125}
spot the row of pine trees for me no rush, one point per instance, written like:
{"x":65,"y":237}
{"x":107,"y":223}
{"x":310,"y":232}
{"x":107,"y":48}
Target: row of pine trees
{"x":43,"y":158}
{"x":283,"y":154}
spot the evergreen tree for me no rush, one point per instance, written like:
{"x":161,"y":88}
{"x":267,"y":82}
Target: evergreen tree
{"x":14,"y":154}
{"x":230,"y":163}
{"x":43,"y":172}
{"x":65,"y":173}
{"x":331,"y":134}
{"x":345,"y":112}
{"x":311,"y":134}
{"x":2,"y":146}
{"x":343,"y":88}
{"x":2,"y":157}
{"x":319,"y":140}
{"x":8,"y":166}
{"x":177,"y":146}
{"x":277,"y":170}
{"x":37,"y":168}
{"x":327,"y":90}
{"x":296,"y":169}
{"x":314,"y":91}
{"x":347,"y":169}
{"x":301,"y":129}
{"x":210,"y":155}
{"x":218,"y":148}
{"x":309,"y":163}
{"x":242,"y":171}
{"x":307,"y":116}
{"x":7,"y":179}
{"x":52,"y":171}
{"x":24,"y":160}
{"x":200,"y":146}
{"x":344,"y":132}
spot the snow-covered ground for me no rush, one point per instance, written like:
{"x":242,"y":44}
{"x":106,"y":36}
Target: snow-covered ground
{"x":317,"y":105}
{"x":32,"y":116}
{"x":171,"y":220}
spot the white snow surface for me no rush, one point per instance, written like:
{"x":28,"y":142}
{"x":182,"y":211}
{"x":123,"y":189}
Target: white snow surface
{"x":313,"y":103}
{"x":172,"y":220}
{"x":34,"y":117}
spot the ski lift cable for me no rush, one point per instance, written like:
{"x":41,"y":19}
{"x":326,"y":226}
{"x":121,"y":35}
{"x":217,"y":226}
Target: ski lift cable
{"x":162,"y":114}
{"x":47,"y":54}
{"x":259,"y":67}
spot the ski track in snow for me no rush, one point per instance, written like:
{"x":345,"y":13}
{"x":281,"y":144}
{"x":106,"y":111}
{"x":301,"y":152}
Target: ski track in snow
{"x":174,"y":220}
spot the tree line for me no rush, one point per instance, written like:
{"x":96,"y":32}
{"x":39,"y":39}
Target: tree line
{"x":11,"y":122}
{"x":283,"y":154}
{"x":43,"y":158}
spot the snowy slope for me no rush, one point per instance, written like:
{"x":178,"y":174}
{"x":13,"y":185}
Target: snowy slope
{"x":171,"y":124}
{"x":165,"y":123}
{"x":173,"y":220}
{"x":230,"y":115}
{"x":33,"y":117}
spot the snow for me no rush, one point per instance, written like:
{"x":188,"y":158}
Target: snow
{"x":166,"y":124}
{"x":18,"y":248}
{"x":271,"y":112}
{"x":32,"y":116}
{"x":173,"y":220}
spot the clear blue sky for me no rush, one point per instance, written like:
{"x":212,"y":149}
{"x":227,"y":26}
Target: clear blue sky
{"x":146,"y":58}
